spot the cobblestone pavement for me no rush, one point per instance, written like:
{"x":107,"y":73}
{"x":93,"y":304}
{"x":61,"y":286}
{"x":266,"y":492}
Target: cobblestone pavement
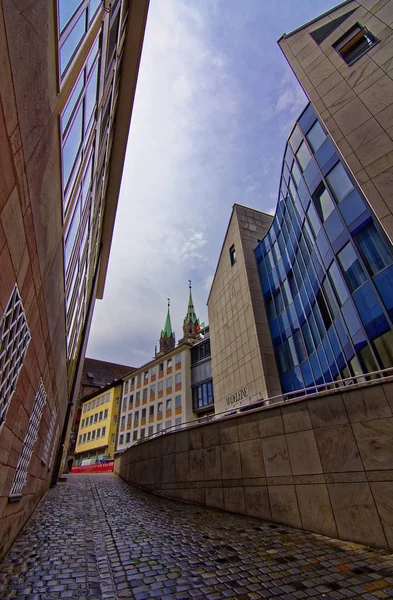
{"x":95,"y":537}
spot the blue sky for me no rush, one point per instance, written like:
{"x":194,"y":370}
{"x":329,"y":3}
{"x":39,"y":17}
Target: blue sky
{"x":215,"y":103}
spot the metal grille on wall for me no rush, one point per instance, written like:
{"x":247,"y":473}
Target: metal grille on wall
{"x":49,"y":437}
{"x":14,"y":340}
{"x":22,"y":468}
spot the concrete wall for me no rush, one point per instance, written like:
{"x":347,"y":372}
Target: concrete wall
{"x":31,"y":251}
{"x":324,"y":465}
{"x":241,"y":346}
{"x":355,"y":102}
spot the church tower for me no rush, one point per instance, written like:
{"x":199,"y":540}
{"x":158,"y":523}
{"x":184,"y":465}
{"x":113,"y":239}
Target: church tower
{"x":167,"y":337}
{"x":191,"y":322}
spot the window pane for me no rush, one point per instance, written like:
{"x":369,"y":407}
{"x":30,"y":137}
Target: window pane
{"x":296,"y":173}
{"x":352,"y":268}
{"x":71,"y":44}
{"x":323,"y":203}
{"x":71,"y":146}
{"x":384,"y":346}
{"x":91,"y":96}
{"x":71,"y":103}
{"x":316,"y":136}
{"x":339,"y":182}
{"x":375,"y":251}
{"x":338,"y":283}
{"x":303,"y":156}
{"x":66,"y":9}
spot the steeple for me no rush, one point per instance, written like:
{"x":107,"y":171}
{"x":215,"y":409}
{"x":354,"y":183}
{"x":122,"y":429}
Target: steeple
{"x":191,"y":322}
{"x":167,"y":337}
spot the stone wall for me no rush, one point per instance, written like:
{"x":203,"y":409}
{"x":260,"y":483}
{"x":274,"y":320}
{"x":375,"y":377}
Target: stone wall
{"x":323,"y":464}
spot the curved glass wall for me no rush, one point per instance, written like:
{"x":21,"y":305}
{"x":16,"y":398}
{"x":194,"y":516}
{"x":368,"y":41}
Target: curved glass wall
{"x":326,"y":268}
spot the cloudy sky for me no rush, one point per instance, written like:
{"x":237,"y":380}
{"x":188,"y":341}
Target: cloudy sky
{"x":214,"y":105}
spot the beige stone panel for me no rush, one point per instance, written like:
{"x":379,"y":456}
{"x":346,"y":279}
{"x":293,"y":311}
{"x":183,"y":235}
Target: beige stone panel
{"x":333,"y":128}
{"x":351,"y":116}
{"x":368,"y":4}
{"x":284,"y":506}
{"x":375,"y":442}
{"x":387,"y":224}
{"x":303,"y":453}
{"x":309,"y":54}
{"x":380,"y":165}
{"x":195,"y":438}
{"x":215,"y":497}
{"x":388,"y":390}
{"x":366,"y":404}
{"x":257,"y":502}
{"x":270,"y":422}
{"x":276,"y":457}
{"x":376,"y":98}
{"x":390,"y":132}
{"x":383,"y":497}
{"x":385,"y":14}
{"x":248,"y":427}
{"x":384,"y":185}
{"x":211,"y":436}
{"x":228,"y":431}
{"x":230,"y":459}
{"x":385,"y":117}
{"x":252,"y":458}
{"x":332,"y":97}
{"x":364,"y":134}
{"x":337,"y":449}
{"x":375,"y":149}
{"x":327,"y":411}
{"x":297,"y":42}
{"x":376,"y":26}
{"x":355,"y":514}
{"x":315,"y":509}
{"x":330,"y":84}
{"x":345,"y":148}
{"x":362,"y":176}
{"x":321,"y":72}
{"x":375,"y":199}
{"x":353,"y":163}
{"x":295,"y":417}
{"x":12,"y":222}
{"x":212,"y":460}
{"x":234,"y":500}
{"x":196,"y":465}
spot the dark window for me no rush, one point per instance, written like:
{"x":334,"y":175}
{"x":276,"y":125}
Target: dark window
{"x":232,"y":254}
{"x":376,"y":253}
{"x":323,"y":202}
{"x":352,"y":268}
{"x":202,"y":395}
{"x":324,"y":310}
{"x":356,"y":42}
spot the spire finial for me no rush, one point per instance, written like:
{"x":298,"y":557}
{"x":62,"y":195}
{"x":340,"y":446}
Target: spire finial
{"x":189,"y":283}
{"x":169,"y":302}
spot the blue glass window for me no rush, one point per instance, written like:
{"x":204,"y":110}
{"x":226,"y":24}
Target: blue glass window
{"x":303,"y":155}
{"x":352,"y":207}
{"x":308,"y":339}
{"x":334,"y":226}
{"x":74,"y":97}
{"x":339,"y":182}
{"x":296,"y":138}
{"x":296,"y":173}
{"x":338,"y":283}
{"x":351,"y":318}
{"x":93,"y":6}
{"x":370,"y":311}
{"x":279,"y":302}
{"x":384,"y":284}
{"x":314,"y":220}
{"x":66,"y":9}
{"x":91,"y":96}
{"x":280,"y":356}
{"x":374,"y":249}
{"x":351,"y":266}
{"x":308,"y":376}
{"x":300,"y":345}
{"x":316,"y":136}
{"x":71,"y":44}
{"x":72,"y":145}
{"x":316,"y":369}
{"x":323,"y":202}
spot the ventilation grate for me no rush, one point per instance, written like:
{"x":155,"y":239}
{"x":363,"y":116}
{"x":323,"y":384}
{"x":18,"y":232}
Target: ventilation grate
{"x":49,"y":437}
{"x":22,"y":468}
{"x":14,"y":341}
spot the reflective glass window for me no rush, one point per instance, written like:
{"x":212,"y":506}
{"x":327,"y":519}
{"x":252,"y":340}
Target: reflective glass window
{"x":75,"y":94}
{"x":350,"y":264}
{"x":72,"y":145}
{"x":91,"y":95}
{"x":351,"y":318}
{"x":316,"y":136}
{"x":368,"y":360}
{"x":296,"y":138}
{"x":338,"y":283}
{"x":93,"y":6}
{"x":71,"y":235}
{"x":300,"y":345}
{"x":66,"y":9}
{"x":323,"y":202}
{"x":384,"y":284}
{"x":339,"y":182}
{"x":71,"y":44}
{"x":280,"y":356}
{"x":370,"y":311}
{"x":314,"y":220}
{"x":330,"y":297}
{"x":384,"y":346}
{"x":308,"y":338}
{"x":303,"y":155}
{"x":296,"y":174}
{"x":374,"y":249}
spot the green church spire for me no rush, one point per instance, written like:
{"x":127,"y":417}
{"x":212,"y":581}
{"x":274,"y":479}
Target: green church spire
{"x":191,"y":316}
{"x":168,"y":326}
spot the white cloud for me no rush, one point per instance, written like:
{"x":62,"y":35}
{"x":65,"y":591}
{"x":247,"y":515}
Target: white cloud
{"x":208,"y":282}
{"x":291,"y":97}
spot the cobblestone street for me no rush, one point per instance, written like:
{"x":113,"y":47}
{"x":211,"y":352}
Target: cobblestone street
{"x":95,"y":537}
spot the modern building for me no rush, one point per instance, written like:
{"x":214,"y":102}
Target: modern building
{"x":158,"y":396}
{"x":68,"y":77}
{"x":325,"y":261}
{"x":97,"y":433}
{"x":96,"y":375}
{"x":201,"y":376}
{"x":243,"y":364}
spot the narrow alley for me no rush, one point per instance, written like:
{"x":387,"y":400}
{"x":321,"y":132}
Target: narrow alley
{"x":95,"y":537}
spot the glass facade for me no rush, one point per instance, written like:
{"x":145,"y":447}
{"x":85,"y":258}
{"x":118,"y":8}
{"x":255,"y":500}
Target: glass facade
{"x":325,"y":267}
{"x":86,"y":129}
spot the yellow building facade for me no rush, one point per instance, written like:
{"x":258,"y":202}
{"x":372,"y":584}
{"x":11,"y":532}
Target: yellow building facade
{"x":97,"y":433}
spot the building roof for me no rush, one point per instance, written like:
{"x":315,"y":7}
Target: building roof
{"x":285,"y":35}
{"x":99,"y":373}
